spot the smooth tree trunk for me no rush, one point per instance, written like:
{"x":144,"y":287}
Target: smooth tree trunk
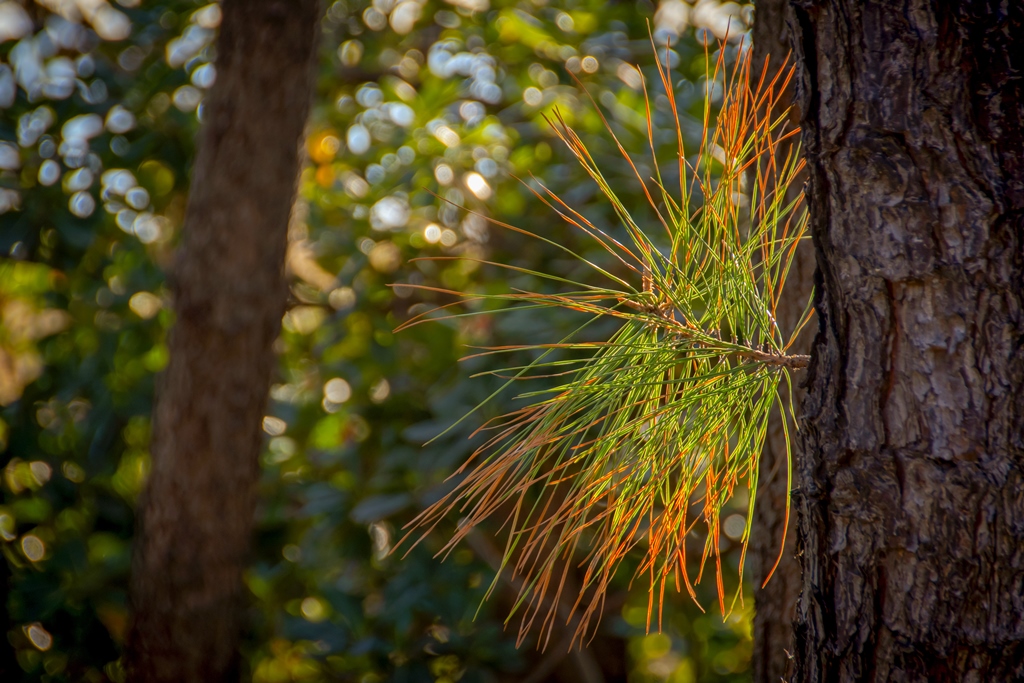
{"x":911,"y":486}
{"x":229,"y":292}
{"x":775,"y":602}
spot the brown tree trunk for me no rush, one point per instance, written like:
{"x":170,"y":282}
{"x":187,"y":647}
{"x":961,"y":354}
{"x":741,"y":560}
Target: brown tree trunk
{"x":229,"y":294}
{"x":911,"y":487}
{"x":775,"y":603}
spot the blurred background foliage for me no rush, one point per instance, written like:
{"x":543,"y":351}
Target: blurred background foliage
{"x":100,"y":104}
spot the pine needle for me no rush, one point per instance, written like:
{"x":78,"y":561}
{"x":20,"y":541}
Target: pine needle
{"x":649,"y":433}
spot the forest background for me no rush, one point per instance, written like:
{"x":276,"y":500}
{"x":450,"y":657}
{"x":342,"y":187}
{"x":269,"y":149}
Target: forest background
{"x":101,"y":104}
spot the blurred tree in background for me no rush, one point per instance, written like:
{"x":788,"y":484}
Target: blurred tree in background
{"x":228,"y":293}
{"x":101,"y":104}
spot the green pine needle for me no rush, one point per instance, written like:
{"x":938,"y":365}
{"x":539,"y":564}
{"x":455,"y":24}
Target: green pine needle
{"x":648,"y":434}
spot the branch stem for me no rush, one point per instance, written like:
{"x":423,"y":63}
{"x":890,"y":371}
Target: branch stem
{"x":794,"y":362}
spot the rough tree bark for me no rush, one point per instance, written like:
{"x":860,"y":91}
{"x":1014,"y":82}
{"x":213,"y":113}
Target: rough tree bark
{"x":911,"y":489}
{"x":775,"y":603}
{"x":229,"y":295}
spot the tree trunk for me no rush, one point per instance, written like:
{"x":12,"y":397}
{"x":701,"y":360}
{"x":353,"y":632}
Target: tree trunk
{"x":911,"y":487}
{"x":229,"y":294}
{"x":775,"y":603}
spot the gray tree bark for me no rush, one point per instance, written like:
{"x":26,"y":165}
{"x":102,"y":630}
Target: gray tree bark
{"x":911,"y":487}
{"x":775,"y":602}
{"x":229,"y":294}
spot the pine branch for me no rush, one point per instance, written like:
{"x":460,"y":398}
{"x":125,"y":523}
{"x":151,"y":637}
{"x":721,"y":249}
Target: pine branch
{"x":649,"y":432}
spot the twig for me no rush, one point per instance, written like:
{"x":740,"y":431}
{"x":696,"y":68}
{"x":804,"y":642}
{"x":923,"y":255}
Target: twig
{"x":795,"y":362}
